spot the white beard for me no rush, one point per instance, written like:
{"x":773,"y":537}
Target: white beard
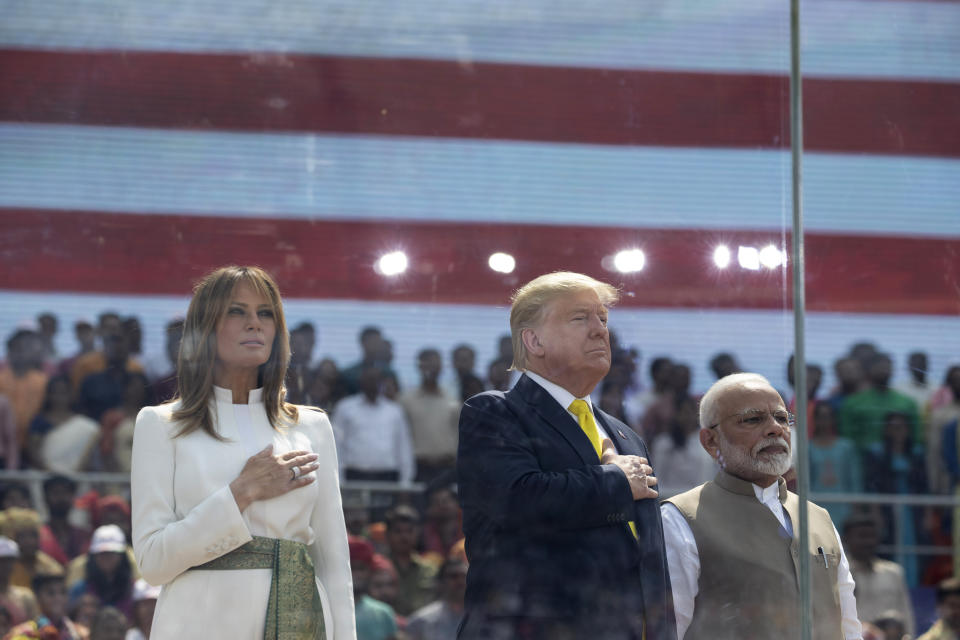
{"x":738,"y":462}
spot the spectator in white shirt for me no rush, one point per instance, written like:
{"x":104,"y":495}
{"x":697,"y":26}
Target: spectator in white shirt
{"x":881,"y":587}
{"x":433,"y":417}
{"x":681,"y":461}
{"x":917,"y":386}
{"x":372,"y":434}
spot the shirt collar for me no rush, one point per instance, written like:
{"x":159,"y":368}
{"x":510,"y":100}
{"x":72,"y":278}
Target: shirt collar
{"x":226,"y":395}
{"x":776,"y":492}
{"x":558,"y":393}
{"x":767,"y":495}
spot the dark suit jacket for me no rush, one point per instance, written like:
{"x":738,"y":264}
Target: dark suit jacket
{"x":550,"y":552}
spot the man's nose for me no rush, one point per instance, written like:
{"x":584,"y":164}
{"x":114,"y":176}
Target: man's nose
{"x":774,"y":428}
{"x":597,"y":325}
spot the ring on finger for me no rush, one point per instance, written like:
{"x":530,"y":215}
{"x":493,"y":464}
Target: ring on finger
{"x":296,"y":473}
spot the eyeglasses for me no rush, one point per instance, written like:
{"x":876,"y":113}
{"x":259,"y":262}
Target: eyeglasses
{"x":755,"y":418}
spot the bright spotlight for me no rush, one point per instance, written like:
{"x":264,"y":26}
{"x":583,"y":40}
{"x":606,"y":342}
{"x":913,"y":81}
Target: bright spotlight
{"x":502,"y":262}
{"x":629,"y":260}
{"x":749,"y":258}
{"x":392,"y":264}
{"x":721,"y":256}
{"x":771,"y":257}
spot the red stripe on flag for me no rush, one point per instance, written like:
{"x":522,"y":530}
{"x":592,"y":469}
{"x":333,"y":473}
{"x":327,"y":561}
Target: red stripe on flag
{"x":164,"y":254}
{"x":277,"y":92}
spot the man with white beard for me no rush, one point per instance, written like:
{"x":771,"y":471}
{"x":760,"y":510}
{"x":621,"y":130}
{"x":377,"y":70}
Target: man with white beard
{"x":732,"y":551}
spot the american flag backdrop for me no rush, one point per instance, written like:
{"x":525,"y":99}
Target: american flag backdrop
{"x":143,"y":143}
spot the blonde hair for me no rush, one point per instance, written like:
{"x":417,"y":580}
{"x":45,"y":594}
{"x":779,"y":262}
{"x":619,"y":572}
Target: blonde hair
{"x":708,"y":403}
{"x":198,"y":351}
{"x":532,"y":299}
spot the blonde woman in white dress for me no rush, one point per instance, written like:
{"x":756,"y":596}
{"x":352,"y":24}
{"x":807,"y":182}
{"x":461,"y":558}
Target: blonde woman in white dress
{"x":235,"y":493}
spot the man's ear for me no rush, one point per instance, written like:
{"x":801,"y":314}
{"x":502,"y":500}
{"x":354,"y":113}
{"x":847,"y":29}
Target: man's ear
{"x":532,"y":342}
{"x":708,"y":439}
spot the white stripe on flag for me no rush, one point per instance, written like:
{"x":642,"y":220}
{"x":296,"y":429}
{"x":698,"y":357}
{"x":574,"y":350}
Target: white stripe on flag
{"x":866,"y":38}
{"x":369,"y":178}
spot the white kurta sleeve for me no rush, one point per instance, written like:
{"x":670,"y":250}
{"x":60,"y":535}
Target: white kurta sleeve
{"x":683,"y":562}
{"x":166,"y":545}
{"x":330,"y":551}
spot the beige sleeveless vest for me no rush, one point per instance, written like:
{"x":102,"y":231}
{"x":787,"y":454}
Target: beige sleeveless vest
{"x":750,"y":566}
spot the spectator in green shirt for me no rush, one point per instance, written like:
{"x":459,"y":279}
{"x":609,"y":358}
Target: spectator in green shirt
{"x":863,"y":414}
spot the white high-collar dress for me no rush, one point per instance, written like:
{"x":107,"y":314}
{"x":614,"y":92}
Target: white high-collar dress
{"x":184,"y":515}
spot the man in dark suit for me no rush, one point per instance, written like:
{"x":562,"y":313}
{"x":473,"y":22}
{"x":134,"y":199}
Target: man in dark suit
{"x":563,"y":533}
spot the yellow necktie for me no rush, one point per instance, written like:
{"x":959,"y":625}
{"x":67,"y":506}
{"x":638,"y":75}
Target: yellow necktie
{"x":585,"y":418}
{"x":580,"y":409}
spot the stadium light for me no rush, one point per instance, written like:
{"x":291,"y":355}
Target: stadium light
{"x":629,"y":261}
{"x":771,"y":257}
{"x":749,"y":258}
{"x":721,"y":256}
{"x":502,"y":262}
{"x":392,"y":264}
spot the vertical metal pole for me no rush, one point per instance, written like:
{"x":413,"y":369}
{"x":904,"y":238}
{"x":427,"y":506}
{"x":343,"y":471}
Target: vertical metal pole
{"x":898,"y":524}
{"x":799,"y":307}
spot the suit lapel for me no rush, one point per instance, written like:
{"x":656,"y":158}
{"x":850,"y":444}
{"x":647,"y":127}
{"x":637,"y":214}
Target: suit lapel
{"x":556,"y":417}
{"x":645,"y":512}
{"x":620,"y":437}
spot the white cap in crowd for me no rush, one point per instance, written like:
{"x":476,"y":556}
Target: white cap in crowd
{"x":109,"y":537}
{"x":143,"y":590}
{"x":8,"y":548}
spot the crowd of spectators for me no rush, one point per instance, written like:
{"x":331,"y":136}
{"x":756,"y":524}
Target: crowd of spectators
{"x":64,"y":415}
{"x":60,"y":579}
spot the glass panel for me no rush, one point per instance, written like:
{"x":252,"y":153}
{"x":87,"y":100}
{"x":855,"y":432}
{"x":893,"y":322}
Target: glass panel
{"x":403,"y":167}
{"x":880,"y":189}
{"x":406,"y":167}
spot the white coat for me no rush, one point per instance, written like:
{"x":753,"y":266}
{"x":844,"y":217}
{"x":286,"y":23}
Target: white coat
{"x":184,"y":515}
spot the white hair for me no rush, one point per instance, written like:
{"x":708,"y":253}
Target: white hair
{"x":708,"y":403}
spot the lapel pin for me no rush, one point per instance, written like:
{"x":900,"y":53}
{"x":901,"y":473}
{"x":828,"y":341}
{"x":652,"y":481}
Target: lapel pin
{"x":620,"y":431}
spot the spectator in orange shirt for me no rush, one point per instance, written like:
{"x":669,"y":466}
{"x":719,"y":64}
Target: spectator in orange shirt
{"x":23,"y":380}
{"x":96,"y":361}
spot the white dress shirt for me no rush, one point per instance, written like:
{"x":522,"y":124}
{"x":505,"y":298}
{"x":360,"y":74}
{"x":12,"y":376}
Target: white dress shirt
{"x":683,"y":561}
{"x":373,"y":436}
{"x":565,"y":398}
